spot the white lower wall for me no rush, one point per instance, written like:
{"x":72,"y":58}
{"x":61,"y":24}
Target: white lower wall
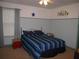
{"x":67,"y":30}
{"x":35,"y":24}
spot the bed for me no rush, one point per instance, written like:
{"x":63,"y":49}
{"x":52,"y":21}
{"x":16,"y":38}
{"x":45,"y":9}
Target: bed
{"x":38,"y":44}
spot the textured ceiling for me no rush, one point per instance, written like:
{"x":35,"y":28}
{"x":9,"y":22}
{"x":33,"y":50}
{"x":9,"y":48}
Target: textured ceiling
{"x":56,"y":3}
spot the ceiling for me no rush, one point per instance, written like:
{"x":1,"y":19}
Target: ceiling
{"x":56,"y":3}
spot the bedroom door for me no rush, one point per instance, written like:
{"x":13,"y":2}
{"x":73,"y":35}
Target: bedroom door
{"x":78,"y":35}
{"x":1,"y":28}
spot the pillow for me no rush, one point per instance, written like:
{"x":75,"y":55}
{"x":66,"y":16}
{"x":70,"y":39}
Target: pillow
{"x":50,"y":34}
{"x":27,"y":32}
{"x":39,"y":32}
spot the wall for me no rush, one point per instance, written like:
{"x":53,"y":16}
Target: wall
{"x":78,"y":11}
{"x":35,"y":24}
{"x":64,"y":27}
{"x":66,"y":30}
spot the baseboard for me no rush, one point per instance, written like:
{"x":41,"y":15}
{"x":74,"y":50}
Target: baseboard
{"x":71,"y":48}
{"x":9,"y":45}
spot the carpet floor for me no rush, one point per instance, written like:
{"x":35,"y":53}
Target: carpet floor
{"x":20,"y":53}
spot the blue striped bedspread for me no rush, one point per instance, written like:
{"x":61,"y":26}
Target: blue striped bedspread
{"x":35,"y":44}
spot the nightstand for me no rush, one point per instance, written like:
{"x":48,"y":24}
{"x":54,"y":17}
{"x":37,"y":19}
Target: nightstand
{"x":76,"y":54}
{"x":16,"y":43}
{"x":50,"y":34}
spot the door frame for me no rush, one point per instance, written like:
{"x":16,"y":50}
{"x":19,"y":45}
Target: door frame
{"x":78,"y":35}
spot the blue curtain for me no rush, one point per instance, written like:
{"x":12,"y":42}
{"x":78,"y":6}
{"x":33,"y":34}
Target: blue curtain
{"x":17,"y":23}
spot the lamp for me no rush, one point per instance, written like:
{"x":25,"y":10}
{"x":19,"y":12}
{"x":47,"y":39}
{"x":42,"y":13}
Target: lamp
{"x":45,"y":2}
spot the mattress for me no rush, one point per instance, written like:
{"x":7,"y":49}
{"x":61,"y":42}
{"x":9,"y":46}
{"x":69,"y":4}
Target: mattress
{"x":35,"y":43}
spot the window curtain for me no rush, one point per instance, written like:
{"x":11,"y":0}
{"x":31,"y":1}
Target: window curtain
{"x":17,"y":24}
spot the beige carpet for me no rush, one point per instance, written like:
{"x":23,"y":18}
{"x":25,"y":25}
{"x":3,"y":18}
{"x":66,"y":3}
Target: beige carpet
{"x":9,"y":53}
